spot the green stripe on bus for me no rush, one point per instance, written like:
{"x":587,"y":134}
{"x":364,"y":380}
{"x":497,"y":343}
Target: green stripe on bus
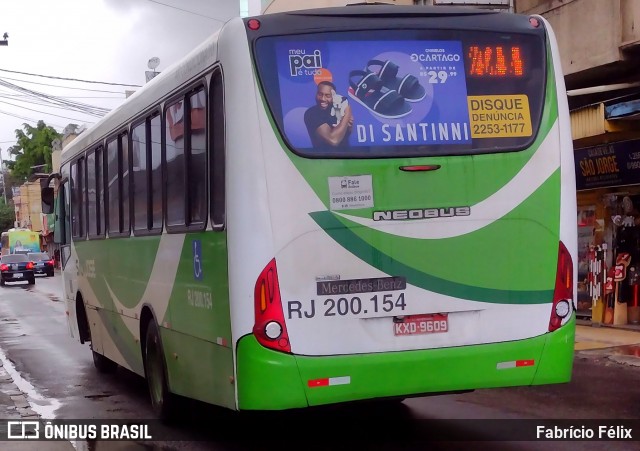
{"x":361,"y":249}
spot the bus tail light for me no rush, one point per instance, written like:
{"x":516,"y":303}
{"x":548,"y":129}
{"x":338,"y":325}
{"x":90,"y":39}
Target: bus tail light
{"x":563,"y":293}
{"x":269,"y":327}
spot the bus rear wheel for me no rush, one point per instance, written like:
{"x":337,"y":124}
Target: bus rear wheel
{"x":162,"y":400}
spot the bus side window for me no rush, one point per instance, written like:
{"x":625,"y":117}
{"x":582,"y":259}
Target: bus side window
{"x":92,"y":224}
{"x":117,"y":185}
{"x":65,"y":210}
{"x":217,"y":156}
{"x":197,"y":170}
{"x":112,"y":188}
{"x":125,"y":225}
{"x":174,"y":157}
{"x":139,"y":193}
{"x":61,"y":230}
{"x":146,"y":176}
{"x":156,"y":172}
{"x":77,"y":198}
{"x":100,"y":207}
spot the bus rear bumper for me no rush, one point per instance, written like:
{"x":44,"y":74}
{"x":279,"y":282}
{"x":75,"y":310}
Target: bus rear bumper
{"x":270,"y":380}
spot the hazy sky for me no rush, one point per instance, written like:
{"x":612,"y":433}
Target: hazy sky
{"x":98,"y":40}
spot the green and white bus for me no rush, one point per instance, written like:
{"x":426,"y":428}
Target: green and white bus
{"x":331,"y":205}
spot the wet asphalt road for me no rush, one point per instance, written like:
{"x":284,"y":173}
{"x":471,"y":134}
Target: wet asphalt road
{"x":34,"y":337}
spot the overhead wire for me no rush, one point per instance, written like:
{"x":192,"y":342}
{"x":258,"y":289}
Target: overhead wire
{"x":6,"y":94}
{"x":28,"y":119}
{"x":60,"y":86}
{"x":69,"y":79}
{"x":38,"y":111}
{"x":57,"y":101}
{"x":187,"y":11}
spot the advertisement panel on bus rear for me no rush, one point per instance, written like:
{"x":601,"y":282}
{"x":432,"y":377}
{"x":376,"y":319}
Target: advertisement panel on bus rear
{"x":23,"y":241}
{"x":375,"y":93}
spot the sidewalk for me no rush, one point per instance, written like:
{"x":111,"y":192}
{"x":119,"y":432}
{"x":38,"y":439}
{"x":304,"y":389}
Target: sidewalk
{"x":14,"y":406}
{"x":594,"y":337}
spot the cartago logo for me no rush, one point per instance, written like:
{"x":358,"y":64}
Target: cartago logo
{"x":422,"y":213}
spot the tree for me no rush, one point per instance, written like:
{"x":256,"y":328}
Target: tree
{"x":7,"y":215}
{"x":32,"y":150}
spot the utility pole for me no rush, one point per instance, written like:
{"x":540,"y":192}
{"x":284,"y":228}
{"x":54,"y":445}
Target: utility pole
{"x":4,"y":185}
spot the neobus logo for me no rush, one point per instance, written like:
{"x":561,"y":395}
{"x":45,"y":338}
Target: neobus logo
{"x":422,"y":213}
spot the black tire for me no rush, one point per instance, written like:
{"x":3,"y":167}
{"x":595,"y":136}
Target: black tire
{"x":155,"y":369}
{"x":103,"y":364}
{"x":1,"y":282}
{"x":32,"y":280}
{"x":50,"y":274}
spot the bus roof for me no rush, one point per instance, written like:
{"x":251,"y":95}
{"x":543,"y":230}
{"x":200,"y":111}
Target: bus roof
{"x":386,"y":9}
{"x":188,"y":68}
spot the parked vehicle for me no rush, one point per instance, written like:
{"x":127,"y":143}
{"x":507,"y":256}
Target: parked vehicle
{"x":42,"y":263}
{"x":15,"y":268}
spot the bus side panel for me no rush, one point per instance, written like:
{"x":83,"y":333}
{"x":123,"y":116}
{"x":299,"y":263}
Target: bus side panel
{"x":199,"y":369}
{"x":197,"y":334}
{"x":267,"y":380}
{"x":113,"y":282}
{"x":568,"y":200}
{"x":556,"y":363}
{"x":248,"y":216}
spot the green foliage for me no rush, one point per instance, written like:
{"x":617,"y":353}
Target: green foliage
{"x":33,"y":148}
{"x":7,"y":215}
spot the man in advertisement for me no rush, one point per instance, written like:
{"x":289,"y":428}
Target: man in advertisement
{"x":330,"y":121}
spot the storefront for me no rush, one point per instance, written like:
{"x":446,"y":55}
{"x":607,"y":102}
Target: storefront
{"x":608,"y":217}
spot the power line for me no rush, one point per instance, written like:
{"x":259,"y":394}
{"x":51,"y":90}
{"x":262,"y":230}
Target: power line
{"x":28,"y":119}
{"x":42,"y":112}
{"x":43,"y":102}
{"x":57,"y":101}
{"x":6,"y":94}
{"x":59,"y":86}
{"x":69,"y":79}
{"x":187,"y":11}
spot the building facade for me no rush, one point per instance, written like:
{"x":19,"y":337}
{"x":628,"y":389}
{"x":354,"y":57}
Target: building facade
{"x":600,"y":48}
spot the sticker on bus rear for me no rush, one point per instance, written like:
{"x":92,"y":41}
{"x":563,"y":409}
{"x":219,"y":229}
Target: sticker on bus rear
{"x":350,"y":192}
{"x":503,"y":116}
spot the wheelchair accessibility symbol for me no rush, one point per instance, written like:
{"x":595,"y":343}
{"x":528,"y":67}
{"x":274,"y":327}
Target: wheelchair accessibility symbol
{"x":197,"y":259}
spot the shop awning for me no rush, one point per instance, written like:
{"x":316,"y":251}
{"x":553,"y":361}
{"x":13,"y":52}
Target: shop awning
{"x":615,"y":119}
{"x":628,"y":110}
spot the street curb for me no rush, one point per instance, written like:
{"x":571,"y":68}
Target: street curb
{"x":21,"y":406}
{"x":14,"y":405}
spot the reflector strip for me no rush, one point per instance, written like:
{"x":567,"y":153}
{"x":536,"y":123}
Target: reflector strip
{"x":221,"y":341}
{"x":342,"y":380}
{"x":515,"y":364}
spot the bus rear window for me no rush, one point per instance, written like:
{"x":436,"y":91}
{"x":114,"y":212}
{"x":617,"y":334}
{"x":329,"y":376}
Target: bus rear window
{"x":404,"y":93}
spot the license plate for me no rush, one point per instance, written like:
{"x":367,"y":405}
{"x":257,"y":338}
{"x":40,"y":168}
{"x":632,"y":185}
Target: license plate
{"x":421,"y":324}
{"x":17,"y":274}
